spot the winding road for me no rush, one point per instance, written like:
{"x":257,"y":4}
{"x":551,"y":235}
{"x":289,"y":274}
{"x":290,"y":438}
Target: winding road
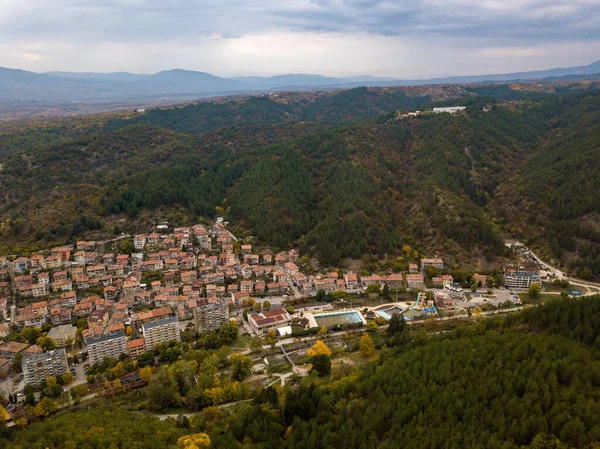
{"x":592,"y":288}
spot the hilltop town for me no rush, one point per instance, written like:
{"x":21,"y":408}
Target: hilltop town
{"x":77,"y":309}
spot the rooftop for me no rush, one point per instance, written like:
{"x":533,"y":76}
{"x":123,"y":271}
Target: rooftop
{"x":13,"y":346}
{"x":158,"y":323}
{"x":105,"y":337}
{"x":45,"y":355}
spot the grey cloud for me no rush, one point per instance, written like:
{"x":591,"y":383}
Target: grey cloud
{"x":159,"y":20}
{"x":530,"y":19}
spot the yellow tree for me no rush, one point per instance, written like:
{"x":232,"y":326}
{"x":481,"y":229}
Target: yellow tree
{"x":45,"y":407}
{"x":372,"y":326}
{"x":4,"y":416}
{"x":51,"y":381}
{"x":271,"y":338}
{"x":194,"y":441}
{"x":119,"y":369}
{"x":366,"y":345}
{"x":322,"y":331}
{"x":146,"y":373}
{"x":22,"y":422}
{"x":67,"y":378}
{"x":319,"y":348}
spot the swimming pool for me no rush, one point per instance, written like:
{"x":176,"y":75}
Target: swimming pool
{"x":332,"y":319}
{"x":388,"y":312}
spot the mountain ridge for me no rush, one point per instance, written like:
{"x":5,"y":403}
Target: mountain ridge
{"x":19,"y":86}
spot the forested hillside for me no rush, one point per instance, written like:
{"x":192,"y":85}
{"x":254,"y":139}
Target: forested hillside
{"x":528,"y":380}
{"x":337,"y":174}
{"x":347,"y":105}
{"x":555,"y":198}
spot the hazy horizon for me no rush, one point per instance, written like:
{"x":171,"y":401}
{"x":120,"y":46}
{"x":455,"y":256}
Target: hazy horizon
{"x":266,"y":74}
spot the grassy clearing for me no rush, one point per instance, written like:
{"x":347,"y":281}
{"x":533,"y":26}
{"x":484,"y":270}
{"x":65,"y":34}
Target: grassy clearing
{"x":242,"y":342}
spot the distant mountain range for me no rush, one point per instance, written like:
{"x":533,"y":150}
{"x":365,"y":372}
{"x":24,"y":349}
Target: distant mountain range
{"x":23,"y":87}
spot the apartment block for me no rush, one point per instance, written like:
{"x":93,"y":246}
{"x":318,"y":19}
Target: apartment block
{"x":38,"y":367}
{"x":521,"y":280}
{"x":160,"y":331}
{"x":210,"y":315}
{"x":106,"y":346}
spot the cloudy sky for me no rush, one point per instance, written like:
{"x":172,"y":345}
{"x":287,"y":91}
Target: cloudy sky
{"x":400,"y":38}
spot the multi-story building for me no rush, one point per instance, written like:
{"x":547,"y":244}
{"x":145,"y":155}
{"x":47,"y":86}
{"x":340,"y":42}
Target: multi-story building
{"x":139,"y":241}
{"x":160,"y":331}
{"x":351,"y":281}
{"x":263,"y":321}
{"x":62,"y":335}
{"x":210,"y":315}
{"x":109,"y":346}
{"x":415,"y":281}
{"x":521,"y":280}
{"x":436,"y":263}
{"x":38,"y":367}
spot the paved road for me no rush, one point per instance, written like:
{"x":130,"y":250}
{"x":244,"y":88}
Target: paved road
{"x":559,"y":274}
{"x":189,"y":415}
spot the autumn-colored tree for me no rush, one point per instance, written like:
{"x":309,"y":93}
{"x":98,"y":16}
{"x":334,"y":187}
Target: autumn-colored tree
{"x":4,"y":416}
{"x":194,"y":441}
{"x":372,"y":326}
{"x":319,"y":348}
{"x":78,"y":391}
{"x":45,"y":407}
{"x":271,"y":338}
{"x":534,"y":290}
{"x":146,"y":373}
{"x":22,"y":422}
{"x":366,"y":345}
{"x":241,"y":366}
{"x":128,"y":330}
{"x":45,"y":343}
{"x":322,"y":331}
{"x":51,"y":382}
{"x":267,"y":305}
{"x":119,"y":370}
{"x":67,"y":378}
